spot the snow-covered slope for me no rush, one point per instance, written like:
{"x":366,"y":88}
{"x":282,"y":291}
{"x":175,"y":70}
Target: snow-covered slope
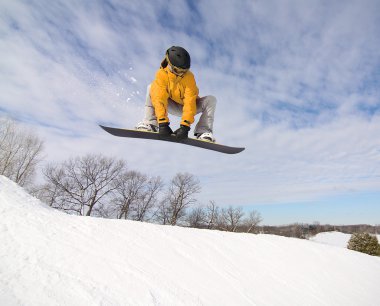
{"x":50,"y":258}
{"x":334,"y":238}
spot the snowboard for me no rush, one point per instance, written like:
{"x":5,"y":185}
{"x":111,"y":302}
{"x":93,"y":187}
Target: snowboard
{"x":189,"y":141}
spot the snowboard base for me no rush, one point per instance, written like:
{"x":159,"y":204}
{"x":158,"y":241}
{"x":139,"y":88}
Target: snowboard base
{"x":189,"y":141}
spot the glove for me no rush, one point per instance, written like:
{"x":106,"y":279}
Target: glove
{"x":164,"y":130}
{"x":182,"y":133}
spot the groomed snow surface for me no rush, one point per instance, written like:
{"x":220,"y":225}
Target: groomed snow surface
{"x":51,"y":258}
{"x":334,"y":238}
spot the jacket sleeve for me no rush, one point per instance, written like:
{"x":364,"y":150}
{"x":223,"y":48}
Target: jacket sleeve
{"x":159,"y":96}
{"x":189,"y":100}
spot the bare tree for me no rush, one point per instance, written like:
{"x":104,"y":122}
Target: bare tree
{"x":231,"y":218}
{"x":299,"y":230}
{"x":128,"y":191}
{"x":20,"y":152}
{"x":212,"y":215}
{"x":80,"y":185}
{"x":148,"y":199}
{"x":49,"y":193}
{"x":136,"y":195}
{"x":162,"y":214}
{"x":180,"y":195}
{"x":197,"y":217}
{"x":252,"y":221}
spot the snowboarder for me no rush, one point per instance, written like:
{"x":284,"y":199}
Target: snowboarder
{"x":174,"y":91}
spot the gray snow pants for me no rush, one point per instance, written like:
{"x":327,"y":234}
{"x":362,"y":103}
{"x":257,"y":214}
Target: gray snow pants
{"x":205,"y":105}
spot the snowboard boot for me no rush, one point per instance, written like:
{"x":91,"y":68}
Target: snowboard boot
{"x":206,"y":137}
{"x":142,"y":126}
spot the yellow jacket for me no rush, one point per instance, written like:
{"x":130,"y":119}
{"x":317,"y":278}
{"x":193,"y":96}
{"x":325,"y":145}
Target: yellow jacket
{"x":182,"y":90}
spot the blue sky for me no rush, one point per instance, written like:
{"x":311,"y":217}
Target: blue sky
{"x":350,"y":208}
{"x":297,"y":84}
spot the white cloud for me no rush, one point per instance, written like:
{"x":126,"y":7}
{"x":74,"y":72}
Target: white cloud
{"x":290,"y":78}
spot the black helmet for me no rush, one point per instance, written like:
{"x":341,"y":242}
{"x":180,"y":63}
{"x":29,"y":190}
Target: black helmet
{"x":178,"y":57}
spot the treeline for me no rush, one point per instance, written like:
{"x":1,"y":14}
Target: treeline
{"x":95,"y":185}
{"x":100,"y":186}
{"x":20,"y":152}
{"x":305,"y":230}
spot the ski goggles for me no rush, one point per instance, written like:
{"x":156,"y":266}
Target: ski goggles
{"x":176,"y":70}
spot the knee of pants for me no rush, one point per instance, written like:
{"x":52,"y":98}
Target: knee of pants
{"x":210,"y":100}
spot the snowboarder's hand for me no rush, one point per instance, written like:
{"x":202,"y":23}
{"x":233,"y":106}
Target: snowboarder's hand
{"x":164,"y":130}
{"x":182,"y":133}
